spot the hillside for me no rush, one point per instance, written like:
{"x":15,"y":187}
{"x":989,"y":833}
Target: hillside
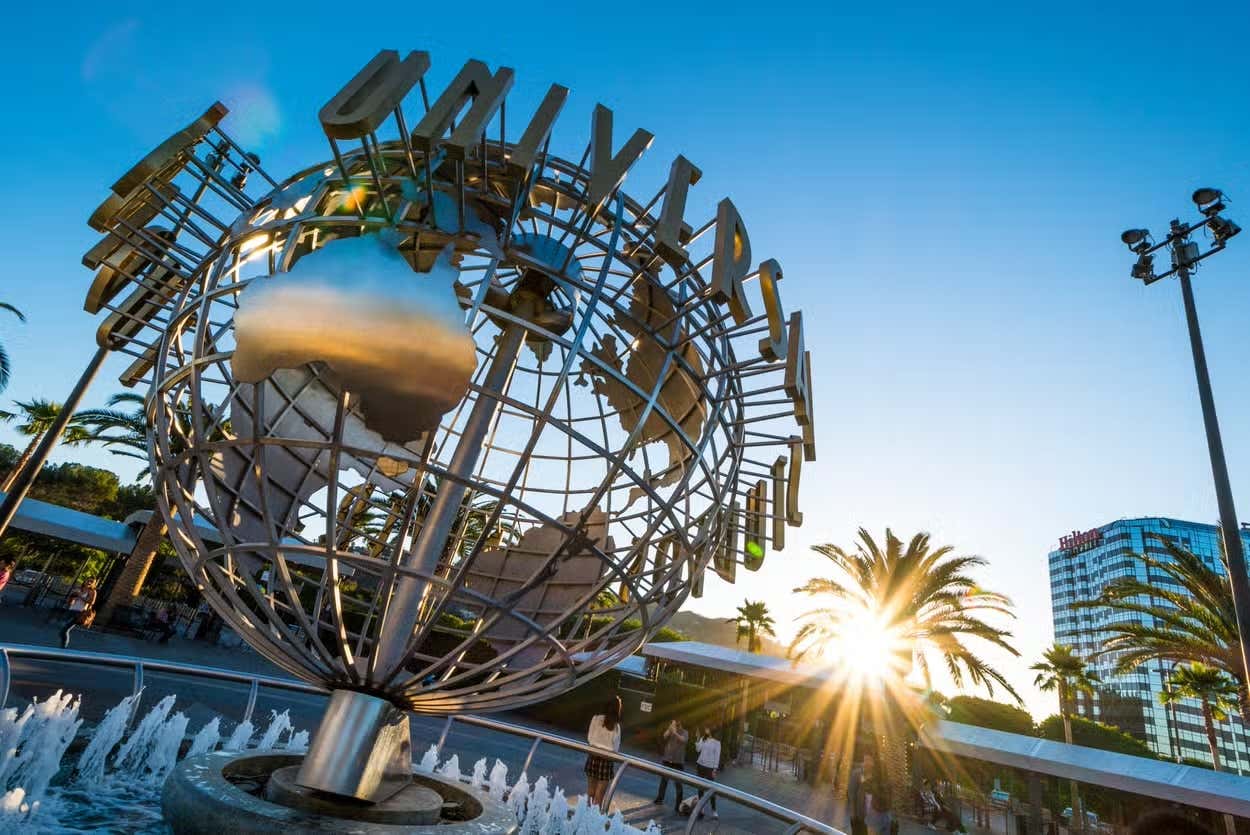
{"x":717,"y":631}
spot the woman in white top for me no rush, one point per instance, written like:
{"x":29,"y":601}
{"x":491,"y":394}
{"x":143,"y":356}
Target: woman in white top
{"x":708,"y":763}
{"x":605,"y":732}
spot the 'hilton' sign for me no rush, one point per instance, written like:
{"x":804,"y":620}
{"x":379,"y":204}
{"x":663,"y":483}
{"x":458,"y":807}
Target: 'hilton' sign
{"x":1077,"y":541}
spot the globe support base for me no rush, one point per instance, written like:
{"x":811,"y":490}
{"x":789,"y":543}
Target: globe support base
{"x":250,"y":792}
{"x":362,"y":749}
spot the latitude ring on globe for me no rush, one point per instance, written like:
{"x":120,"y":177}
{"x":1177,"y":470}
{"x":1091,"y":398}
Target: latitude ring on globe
{"x":448,"y":419}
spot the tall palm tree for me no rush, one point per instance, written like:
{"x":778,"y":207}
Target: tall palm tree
{"x":753,"y":619}
{"x":1189,"y":619}
{"x":6,"y":367}
{"x":1213,"y":689}
{"x":1218,"y":694}
{"x":920,"y":597}
{"x":34,"y":419}
{"x":1062,"y":671}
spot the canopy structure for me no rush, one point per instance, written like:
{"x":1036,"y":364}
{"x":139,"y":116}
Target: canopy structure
{"x":1200,"y":787}
{"x":1186,"y":784}
{"x":750,"y":664}
{"x":34,"y":516}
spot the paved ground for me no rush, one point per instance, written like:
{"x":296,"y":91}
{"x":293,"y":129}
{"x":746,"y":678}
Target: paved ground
{"x":201,"y":700}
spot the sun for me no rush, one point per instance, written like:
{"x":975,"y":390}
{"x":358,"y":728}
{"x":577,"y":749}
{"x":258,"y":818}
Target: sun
{"x":869,"y":649}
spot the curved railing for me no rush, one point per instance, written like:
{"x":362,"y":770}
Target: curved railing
{"x":794,"y":821}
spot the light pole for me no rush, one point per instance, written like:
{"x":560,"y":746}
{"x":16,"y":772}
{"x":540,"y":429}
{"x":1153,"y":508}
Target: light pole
{"x":1185,"y":258}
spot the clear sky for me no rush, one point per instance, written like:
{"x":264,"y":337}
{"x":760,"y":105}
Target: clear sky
{"x":945,"y":186}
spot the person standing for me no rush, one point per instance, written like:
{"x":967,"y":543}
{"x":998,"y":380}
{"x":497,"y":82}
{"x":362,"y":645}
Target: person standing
{"x":604,"y":732}
{"x":673,"y":756}
{"x":82,"y":608}
{"x":857,"y":794}
{"x":708,"y":762}
{"x":164,"y":623}
{"x":6,"y":573}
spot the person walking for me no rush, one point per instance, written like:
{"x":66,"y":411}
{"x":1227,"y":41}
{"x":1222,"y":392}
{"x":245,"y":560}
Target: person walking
{"x":82,"y":608}
{"x":857,"y":794}
{"x":164,"y":622}
{"x":604,"y":732}
{"x":673,"y":756}
{"x":708,"y":762}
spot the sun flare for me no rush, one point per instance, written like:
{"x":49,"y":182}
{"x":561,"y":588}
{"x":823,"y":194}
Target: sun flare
{"x":868,"y":648}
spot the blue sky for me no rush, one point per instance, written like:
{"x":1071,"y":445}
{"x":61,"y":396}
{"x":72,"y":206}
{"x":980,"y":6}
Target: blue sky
{"x":945,"y":187}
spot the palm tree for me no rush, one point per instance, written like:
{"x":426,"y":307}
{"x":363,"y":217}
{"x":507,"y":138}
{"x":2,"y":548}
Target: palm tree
{"x":1218,"y":694}
{"x":6,"y":368}
{"x":753,"y":619}
{"x":1191,"y":618}
{"x":35,"y":418}
{"x":1061,"y":670}
{"x":921,"y":598}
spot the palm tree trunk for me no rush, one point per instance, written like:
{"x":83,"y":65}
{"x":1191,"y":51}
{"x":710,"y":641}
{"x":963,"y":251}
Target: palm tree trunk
{"x":1208,"y":719}
{"x":22,"y":461}
{"x":1077,"y":823}
{"x":138,"y":564}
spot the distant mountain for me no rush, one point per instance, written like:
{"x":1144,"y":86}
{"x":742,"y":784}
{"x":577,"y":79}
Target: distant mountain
{"x":718,"y":631}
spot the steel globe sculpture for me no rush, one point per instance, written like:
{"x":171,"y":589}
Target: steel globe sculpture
{"x":447,"y":422}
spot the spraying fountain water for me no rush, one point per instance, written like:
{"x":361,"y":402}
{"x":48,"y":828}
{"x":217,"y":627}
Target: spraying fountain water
{"x":115,"y":782}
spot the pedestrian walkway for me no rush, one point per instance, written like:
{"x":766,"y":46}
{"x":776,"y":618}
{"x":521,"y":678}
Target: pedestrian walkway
{"x":24,"y":625}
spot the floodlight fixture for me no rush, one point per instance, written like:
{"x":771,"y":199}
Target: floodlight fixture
{"x":1134,"y":238}
{"x":1206,"y":195}
{"x":1222,"y":229}
{"x":1144,"y":269}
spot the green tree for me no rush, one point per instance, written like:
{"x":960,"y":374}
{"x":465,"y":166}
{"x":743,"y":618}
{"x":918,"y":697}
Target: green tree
{"x":1064,"y":672}
{"x":971,"y":710}
{"x":124,"y":432}
{"x":1093,"y":735}
{"x":6,"y":366}
{"x":1189,"y":617}
{"x":753,"y":621}
{"x":921,"y":597}
{"x":34,"y":419}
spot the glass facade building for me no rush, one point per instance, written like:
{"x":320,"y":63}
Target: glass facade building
{"x":1080,"y":568}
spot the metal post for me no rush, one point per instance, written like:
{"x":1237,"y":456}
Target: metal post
{"x":406,"y":601}
{"x":26,"y":478}
{"x":1229,"y":528}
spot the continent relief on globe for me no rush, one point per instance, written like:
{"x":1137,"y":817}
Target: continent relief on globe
{"x":680,"y":394}
{"x":393,"y":338}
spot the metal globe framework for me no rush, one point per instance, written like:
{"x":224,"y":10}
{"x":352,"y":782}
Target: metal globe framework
{"x":628,"y":422}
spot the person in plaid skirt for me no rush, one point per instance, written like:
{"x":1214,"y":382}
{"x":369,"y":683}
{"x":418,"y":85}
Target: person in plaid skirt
{"x":605,"y":732}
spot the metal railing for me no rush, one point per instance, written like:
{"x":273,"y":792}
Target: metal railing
{"x":794,"y":821}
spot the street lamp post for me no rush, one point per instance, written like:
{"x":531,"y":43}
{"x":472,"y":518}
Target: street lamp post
{"x":1185,"y":258}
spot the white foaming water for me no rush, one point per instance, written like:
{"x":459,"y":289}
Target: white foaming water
{"x":132,"y":756}
{"x":429,"y":761}
{"x":238,"y":739}
{"x":298,"y":741}
{"x":107,"y":734}
{"x":206,"y":740}
{"x":498,"y":785}
{"x":279,"y":723}
{"x":478,"y":780}
{"x":123,"y":793}
{"x":451,"y":769}
{"x":163,"y":753}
